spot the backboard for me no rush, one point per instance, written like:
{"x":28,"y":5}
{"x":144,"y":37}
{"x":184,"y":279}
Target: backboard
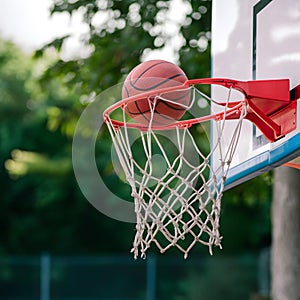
{"x":251,"y":40}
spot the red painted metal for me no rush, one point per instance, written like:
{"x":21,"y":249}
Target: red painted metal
{"x":271,"y":106}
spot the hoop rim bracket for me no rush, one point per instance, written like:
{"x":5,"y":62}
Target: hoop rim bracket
{"x":272,"y":107}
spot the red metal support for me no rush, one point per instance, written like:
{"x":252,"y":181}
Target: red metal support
{"x":272,"y":107}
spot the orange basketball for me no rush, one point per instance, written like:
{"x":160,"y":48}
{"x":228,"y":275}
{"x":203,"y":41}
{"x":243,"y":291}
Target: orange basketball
{"x":150,"y":76}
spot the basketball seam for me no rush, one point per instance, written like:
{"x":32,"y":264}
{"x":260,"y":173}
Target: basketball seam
{"x":126,"y":90}
{"x":149,"y":68}
{"x":141,"y":113}
{"x":156,"y":85}
{"x":174,"y":106}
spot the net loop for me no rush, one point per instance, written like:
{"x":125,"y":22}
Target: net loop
{"x":177,"y":193}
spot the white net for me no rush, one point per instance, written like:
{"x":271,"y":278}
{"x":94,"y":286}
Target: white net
{"x":177,"y":193}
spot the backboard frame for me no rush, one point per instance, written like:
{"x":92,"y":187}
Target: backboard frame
{"x":248,"y":63}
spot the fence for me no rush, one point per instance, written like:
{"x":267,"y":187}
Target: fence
{"x":121,"y":278}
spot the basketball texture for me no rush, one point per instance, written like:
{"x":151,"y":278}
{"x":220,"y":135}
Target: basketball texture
{"x":150,"y":76}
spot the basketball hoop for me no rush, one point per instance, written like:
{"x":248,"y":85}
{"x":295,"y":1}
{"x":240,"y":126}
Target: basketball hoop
{"x":178,"y":204}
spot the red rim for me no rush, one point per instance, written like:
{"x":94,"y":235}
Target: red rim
{"x":269,"y":106}
{"x":233,"y":110}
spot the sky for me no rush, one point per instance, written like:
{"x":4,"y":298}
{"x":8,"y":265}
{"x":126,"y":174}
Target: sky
{"x":28,"y":24}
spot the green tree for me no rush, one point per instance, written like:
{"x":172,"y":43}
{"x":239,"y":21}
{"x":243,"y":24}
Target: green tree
{"x":128,"y":31}
{"x":42,"y":208}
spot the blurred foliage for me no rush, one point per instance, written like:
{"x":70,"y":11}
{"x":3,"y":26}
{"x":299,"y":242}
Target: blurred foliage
{"x":41,"y":99}
{"x":242,"y":273}
{"x":41,"y":206}
{"x":245,"y":216}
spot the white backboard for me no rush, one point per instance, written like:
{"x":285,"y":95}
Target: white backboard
{"x":251,"y":40}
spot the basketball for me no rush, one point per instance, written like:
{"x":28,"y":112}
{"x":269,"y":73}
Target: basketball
{"x":150,"y":76}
